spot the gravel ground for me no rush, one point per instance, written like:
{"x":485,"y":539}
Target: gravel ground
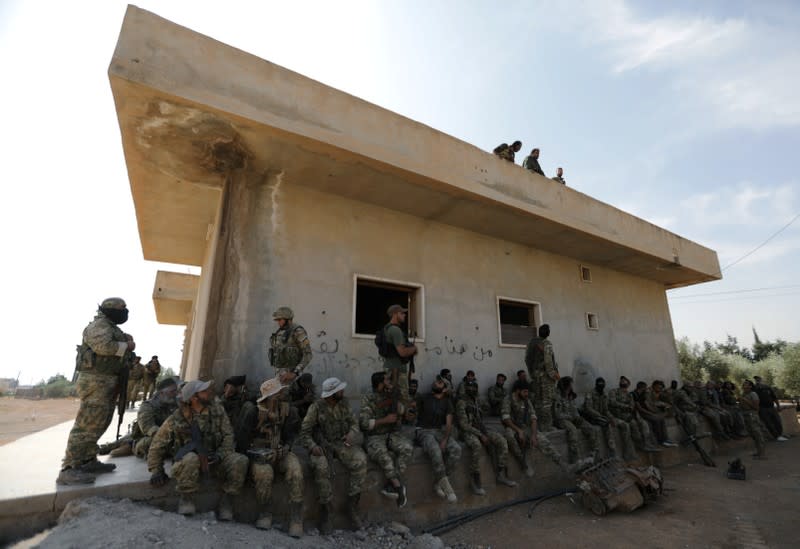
{"x":105,"y":523}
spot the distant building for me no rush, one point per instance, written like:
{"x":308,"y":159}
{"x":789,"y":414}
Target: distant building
{"x":288,"y":192}
{"x":7,"y":385}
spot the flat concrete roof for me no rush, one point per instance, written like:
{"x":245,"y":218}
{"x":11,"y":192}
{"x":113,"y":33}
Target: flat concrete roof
{"x":191,"y":108}
{"x":173,"y":295}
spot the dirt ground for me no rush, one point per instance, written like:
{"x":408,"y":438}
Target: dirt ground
{"x":700,"y":508}
{"x":21,"y":416}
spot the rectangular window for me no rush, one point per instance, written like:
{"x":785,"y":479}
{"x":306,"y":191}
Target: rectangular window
{"x":586,"y":274}
{"x":373,"y":296}
{"x":518,"y":321}
{"x":591,"y":321}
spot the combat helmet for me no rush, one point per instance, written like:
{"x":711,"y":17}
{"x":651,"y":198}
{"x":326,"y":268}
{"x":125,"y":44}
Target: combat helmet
{"x":283,"y":312}
{"x":113,"y":303}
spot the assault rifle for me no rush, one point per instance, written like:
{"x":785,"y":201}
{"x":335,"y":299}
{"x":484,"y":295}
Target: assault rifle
{"x":196,"y":445}
{"x":693,"y":440}
{"x":122,"y":399}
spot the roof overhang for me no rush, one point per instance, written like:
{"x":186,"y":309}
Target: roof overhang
{"x":191,"y":109}
{"x":173,"y":295}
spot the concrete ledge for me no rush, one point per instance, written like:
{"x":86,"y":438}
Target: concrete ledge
{"x":24,"y":515}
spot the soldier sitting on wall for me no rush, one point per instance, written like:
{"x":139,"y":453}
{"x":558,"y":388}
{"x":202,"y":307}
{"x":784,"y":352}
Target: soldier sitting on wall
{"x":496,"y":394}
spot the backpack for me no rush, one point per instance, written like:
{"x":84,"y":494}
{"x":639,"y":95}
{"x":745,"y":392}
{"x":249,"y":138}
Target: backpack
{"x":384,"y":349}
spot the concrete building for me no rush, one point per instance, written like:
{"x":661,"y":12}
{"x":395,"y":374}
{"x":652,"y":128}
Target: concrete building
{"x":288,"y":192}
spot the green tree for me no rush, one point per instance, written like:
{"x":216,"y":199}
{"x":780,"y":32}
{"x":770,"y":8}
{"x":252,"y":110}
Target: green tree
{"x":731,"y":347}
{"x":788,"y":377}
{"x":762,"y":349}
{"x":165,"y":373}
{"x":688,"y":354}
{"x":713,"y":363}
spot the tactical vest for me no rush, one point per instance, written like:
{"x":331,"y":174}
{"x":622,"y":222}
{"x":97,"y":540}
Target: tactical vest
{"x":284,"y":354}
{"x":269,"y":431}
{"x":331,"y":428}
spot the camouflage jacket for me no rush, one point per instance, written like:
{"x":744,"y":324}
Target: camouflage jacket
{"x":559,"y":180}
{"x":496,"y":395}
{"x":683,"y":402}
{"x":655,"y":402}
{"x":104,"y":347}
{"x":469,"y":417}
{"x":329,"y":423}
{"x":595,"y":406}
{"x":540,"y":359}
{"x":152,"y":369}
{"x":519,"y":411}
{"x":268,"y":433}
{"x":375,"y":406}
{"x":504,"y":151}
{"x":176,"y":431}
{"x":289,"y":349}
{"x":532,"y":164}
{"x":152,"y":414}
{"x":137,"y":372}
{"x":564,"y":408}
{"x":620,"y":404}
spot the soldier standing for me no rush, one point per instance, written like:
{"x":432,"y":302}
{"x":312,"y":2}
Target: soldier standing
{"x":749,"y":404}
{"x":135,"y":380}
{"x":595,"y":409}
{"x":379,"y":418}
{"x":269,"y":454}
{"x":496,"y":395}
{"x":400,"y":351}
{"x":623,"y":408}
{"x":519,"y":417}
{"x":543,"y":370}
{"x":336,"y":430}
{"x":434,"y":427}
{"x":201,"y":433}
{"x":103,"y":358}
{"x":151,"y":371}
{"x":475,"y":435}
{"x":566,"y":416}
{"x":289,"y":348}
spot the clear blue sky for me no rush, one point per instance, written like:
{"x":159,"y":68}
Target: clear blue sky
{"x":686,"y":115}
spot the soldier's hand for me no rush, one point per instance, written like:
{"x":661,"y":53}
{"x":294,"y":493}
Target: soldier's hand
{"x":534,"y":441}
{"x":316,"y":451}
{"x":159,"y":478}
{"x":390,"y":418}
{"x":287,"y":377}
{"x":348,"y":439}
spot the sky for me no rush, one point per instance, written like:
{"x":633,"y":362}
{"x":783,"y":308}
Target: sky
{"x":685,"y":114}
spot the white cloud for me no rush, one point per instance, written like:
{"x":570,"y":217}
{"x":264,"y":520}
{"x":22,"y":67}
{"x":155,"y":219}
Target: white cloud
{"x":742,"y":73}
{"x":746,"y":205}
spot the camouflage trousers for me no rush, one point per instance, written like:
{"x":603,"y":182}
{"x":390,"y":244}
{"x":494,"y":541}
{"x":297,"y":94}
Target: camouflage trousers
{"x":391,"y":452}
{"x":608,"y":435}
{"x":232,"y":470}
{"x":497,"y":447}
{"x":688,"y":422}
{"x":134,"y":386}
{"x":638,"y":428}
{"x":263,"y":475}
{"x":402,"y":381}
{"x":591,"y":432}
{"x":737,"y":420}
{"x":713,"y":417}
{"x":444,"y":461}
{"x":354,"y":460}
{"x":544,"y":447}
{"x":98,"y":394}
{"x":148,"y":386}
{"x":624,"y":430}
{"x":753,"y":425}
{"x":543,"y":390}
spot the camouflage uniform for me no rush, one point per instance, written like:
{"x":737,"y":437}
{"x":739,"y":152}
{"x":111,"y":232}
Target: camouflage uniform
{"x":135,"y":382}
{"x":384,"y":444}
{"x":543,"y":371}
{"x":243,"y":415}
{"x":685,"y":411}
{"x":332,"y":423}
{"x":103,"y":356}
{"x":621,"y":406}
{"x":151,"y":416}
{"x":268,"y":435}
{"x":504,"y":151}
{"x":566,"y":416}
{"x":496,"y":395}
{"x":217,"y":439}
{"x":700,"y":398}
{"x":471,"y":427}
{"x":430,"y":433}
{"x":595,"y":408}
{"x":289,"y":349}
{"x":151,"y":371}
{"x":749,"y":406}
{"x":521,"y":413}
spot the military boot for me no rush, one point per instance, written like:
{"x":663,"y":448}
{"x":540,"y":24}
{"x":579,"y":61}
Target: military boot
{"x":445,"y":491}
{"x":352,"y":511}
{"x":325,"y":526}
{"x":502,"y":478}
{"x":475,"y":485}
{"x":264,"y":521}
{"x":225,"y":509}
{"x":296,"y":520}
{"x":186,"y":505}
{"x":71,"y":476}
{"x":95,"y":467}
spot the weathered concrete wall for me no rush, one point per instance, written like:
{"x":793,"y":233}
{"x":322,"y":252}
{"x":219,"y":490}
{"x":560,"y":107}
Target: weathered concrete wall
{"x":288,"y":245}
